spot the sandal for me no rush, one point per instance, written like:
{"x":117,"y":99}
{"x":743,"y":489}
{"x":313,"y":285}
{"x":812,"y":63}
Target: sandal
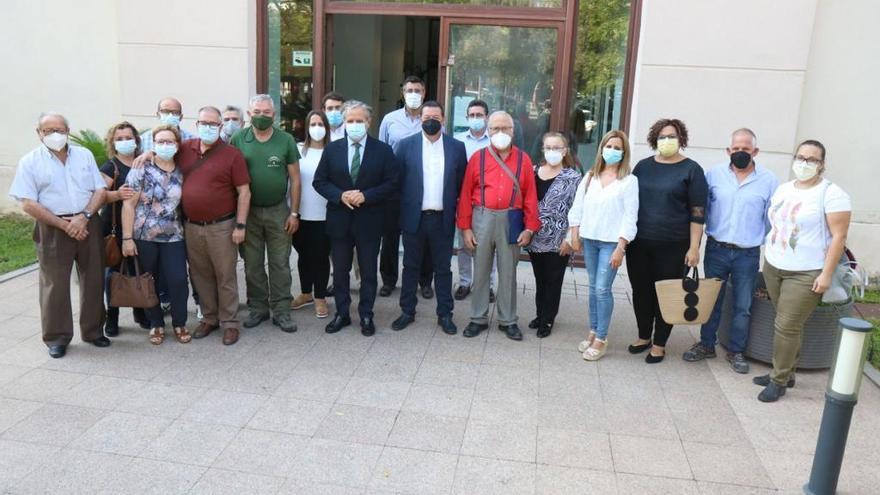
{"x":593,"y":354}
{"x":157,"y":336}
{"x":585,"y":344}
{"x":182,"y":335}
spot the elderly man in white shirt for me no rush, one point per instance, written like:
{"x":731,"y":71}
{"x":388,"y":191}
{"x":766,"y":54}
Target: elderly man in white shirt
{"x":59,"y":185}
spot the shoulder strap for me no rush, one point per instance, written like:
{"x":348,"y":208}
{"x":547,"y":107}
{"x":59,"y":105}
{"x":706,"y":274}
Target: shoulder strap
{"x":483,"y":177}
{"x":514,"y":178}
{"x":824,"y":222}
{"x":516,"y":182}
{"x":113,"y":207}
{"x":587,"y":185}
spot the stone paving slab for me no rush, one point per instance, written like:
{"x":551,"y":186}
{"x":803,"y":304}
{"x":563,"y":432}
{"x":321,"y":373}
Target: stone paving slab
{"x":411,"y":412}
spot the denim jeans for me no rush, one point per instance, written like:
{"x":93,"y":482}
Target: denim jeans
{"x":597,"y":258}
{"x":738,"y":268}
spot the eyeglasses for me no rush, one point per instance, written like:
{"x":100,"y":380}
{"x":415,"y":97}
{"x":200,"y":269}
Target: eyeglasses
{"x":810,"y":160}
{"x":172,"y":112}
{"x":52,"y":131}
{"x":501,"y":129}
{"x":212,"y":125}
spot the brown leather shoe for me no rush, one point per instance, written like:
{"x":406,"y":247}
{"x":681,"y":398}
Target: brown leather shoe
{"x":230,"y":336}
{"x":203,"y":330}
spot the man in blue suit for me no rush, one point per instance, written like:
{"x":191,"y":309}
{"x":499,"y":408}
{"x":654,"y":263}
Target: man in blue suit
{"x":356,"y":175}
{"x":432,"y":168}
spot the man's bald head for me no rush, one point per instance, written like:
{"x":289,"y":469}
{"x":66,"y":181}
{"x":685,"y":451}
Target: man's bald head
{"x":169,"y":105}
{"x":500,"y":119}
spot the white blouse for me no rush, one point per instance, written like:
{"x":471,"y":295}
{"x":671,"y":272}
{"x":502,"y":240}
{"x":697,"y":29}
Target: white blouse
{"x":312,"y":206}
{"x":606,"y":213}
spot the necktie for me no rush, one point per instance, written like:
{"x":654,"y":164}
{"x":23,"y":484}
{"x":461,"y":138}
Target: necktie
{"x":356,"y":162}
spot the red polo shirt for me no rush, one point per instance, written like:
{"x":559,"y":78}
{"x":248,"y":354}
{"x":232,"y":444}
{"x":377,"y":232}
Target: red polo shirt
{"x":499,"y":188}
{"x":209,"y":190}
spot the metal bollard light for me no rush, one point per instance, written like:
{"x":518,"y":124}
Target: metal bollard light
{"x":840,"y":399}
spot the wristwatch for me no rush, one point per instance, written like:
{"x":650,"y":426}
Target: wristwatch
{"x":86,"y":214}
{"x":240,"y":226}
{"x":294,"y":214}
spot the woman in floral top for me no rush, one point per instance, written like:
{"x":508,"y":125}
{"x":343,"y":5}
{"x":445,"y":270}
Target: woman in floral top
{"x":152,"y":230}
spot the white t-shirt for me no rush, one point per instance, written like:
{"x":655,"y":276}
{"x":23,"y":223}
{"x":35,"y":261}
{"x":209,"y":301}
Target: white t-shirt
{"x":798,"y":236}
{"x":312,"y":206}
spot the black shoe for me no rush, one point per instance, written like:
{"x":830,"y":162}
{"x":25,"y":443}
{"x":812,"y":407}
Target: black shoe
{"x":473,"y":329}
{"x":491,"y":296}
{"x":100,"y":342}
{"x":111,"y":327}
{"x":461,"y":293}
{"x":329,"y":291}
{"x":402,"y":322}
{"x":386,"y":290}
{"x":738,"y":362}
{"x":771,"y":393}
{"x":640,"y":348}
{"x":447,"y":325}
{"x":652,"y":359}
{"x":57,"y":351}
{"x":368,"y":329}
{"x":699,"y":352}
{"x":764,"y":380}
{"x":339,"y":322}
{"x":427,"y":292}
{"x":544,"y":330}
{"x":535,"y":323}
{"x":512,"y":331}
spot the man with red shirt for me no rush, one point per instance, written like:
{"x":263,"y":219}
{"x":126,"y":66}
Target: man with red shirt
{"x":491,"y":203}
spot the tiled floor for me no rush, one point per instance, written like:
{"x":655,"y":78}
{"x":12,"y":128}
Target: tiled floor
{"x":416,"y":412}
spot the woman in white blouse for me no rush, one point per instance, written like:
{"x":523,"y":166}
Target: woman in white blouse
{"x":310,"y":241}
{"x":603,"y":219}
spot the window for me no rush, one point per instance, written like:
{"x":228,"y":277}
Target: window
{"x":290,"y":56}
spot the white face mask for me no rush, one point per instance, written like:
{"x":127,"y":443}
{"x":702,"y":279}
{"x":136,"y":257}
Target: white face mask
{"x":553,"y":157}
{"x":804,"y":171}
{"x":413,"y":100}
{"x":317,"y":132}
{"x":501,"y":140}
{"x":55,"y":141}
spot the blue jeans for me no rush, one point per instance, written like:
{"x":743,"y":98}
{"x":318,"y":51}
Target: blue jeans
{"x":597,"y":258}
{"x":739,"y":269}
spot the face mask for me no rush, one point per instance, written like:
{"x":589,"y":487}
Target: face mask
{"x":356,"y":130}
{"x":334,"y":117}
{"x":612,"y":156}
{"x":165,"y":151}
{"x":804,"y":171}
{"x":55,"y":141}
{"x":262,"y":122}
{"x":209,"y":134}
{"x":740,"y":159}
{"x":125,"y":147}
{"x":431,"y":126}
{"x":500,"y":140}
{"x":553,"y":157}
{"x":317,"y":132}
{"x":476,"y":125}
{"x":230,"y":127}
{"x":413,"y":100}
{"x":668,"y":147}
{"x":169,"y":119}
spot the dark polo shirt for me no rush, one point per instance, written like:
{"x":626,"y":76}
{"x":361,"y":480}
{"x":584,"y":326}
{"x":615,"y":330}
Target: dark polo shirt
{"x":209,"y":189}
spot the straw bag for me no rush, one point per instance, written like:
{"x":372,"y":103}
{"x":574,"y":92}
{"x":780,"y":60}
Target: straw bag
{"x":132,"y":291}
{"x":689,"y":300}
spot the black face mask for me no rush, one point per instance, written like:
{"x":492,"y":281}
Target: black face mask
{"x":431,"y":126}
{"x":740,"y":159}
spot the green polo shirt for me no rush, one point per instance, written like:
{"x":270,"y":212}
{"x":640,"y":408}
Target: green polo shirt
{"x":267,"y":164}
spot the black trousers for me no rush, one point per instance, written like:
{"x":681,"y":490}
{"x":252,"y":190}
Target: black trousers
{"x":167,"y":259}
{"x":342,"y":249}
{"x":389,"y":257}
{"x":429,"y":238}
{"x":313,"y":257}
{"x":648,"y":261}
{"x":549,"y":269}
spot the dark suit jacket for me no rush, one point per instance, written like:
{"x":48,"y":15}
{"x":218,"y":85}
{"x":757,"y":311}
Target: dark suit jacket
{"x":409,"y":155}
{"x":377,"y":180}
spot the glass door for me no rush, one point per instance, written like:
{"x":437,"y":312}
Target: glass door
{"x":510,"y":67}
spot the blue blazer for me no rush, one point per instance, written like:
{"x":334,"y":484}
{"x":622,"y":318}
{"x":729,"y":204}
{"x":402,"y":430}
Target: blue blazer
{"x":377,"y":180}
{"x":409,"y":155}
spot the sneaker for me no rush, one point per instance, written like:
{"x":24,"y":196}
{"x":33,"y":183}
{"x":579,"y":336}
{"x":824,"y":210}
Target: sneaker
{"x":302,"y":301}
{"x":284,"y":322}
{"x":771,"y":393}
{"x":738,"y":362}
{"x":764,"y":380}
{"x":253,"y":319}
{"x":698,"y":352}
{"x":321,"y":309}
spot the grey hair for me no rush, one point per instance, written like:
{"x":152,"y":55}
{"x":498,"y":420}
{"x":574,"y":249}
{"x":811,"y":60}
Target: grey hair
{"x":52,"y":114}
{"x":261,"y":97}
{"x":501,"y":113}
{"x":355,"y":104}
{"x":747,"y":131}
{"x":232,"y":108}
{"x":211,"y":108}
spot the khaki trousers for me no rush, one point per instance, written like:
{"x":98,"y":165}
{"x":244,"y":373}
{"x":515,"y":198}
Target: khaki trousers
{"x":490,"y":231}
{"x":212,"y":264}
{"x":57,"y":253}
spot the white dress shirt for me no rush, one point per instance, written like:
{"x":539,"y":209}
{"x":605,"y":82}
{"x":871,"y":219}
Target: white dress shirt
{"x":433,"y":164}
{"x":338,"y":133}
{"x":606,"y":213}
{"x":62,"y":188}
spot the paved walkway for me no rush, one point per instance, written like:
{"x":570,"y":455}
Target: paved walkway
{"x":416,"y":412}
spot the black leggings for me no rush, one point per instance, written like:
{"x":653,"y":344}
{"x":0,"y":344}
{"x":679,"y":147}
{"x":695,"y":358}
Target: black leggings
{"x":648,"y":261}
{"x":549,"y":269}
{"x":313,"y":257}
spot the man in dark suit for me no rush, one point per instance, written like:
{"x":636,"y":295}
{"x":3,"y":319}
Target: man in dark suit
{"x":432,"y":168}
{"x":356,"y":175}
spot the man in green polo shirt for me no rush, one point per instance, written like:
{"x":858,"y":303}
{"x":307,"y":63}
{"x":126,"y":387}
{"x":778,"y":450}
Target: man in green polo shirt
{"x":273,"y":162}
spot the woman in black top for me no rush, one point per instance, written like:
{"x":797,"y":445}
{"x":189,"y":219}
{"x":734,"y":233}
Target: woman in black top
{"x":672,"y":203}
{"x":122,"y":144}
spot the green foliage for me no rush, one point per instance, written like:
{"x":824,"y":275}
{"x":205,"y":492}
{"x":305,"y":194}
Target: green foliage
{"x":872,"y":296}
{"x":603,"y":27}
{"x":16,"y":238}
{"x":91,"y":141}
{"x":874,"y":351}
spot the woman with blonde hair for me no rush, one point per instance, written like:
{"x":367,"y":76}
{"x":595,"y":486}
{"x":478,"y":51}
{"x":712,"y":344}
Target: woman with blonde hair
{"x":603,"y":220}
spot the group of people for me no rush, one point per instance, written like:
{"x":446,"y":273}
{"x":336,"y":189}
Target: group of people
{"x":185,"y":207}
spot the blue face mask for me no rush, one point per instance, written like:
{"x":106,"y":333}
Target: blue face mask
{"x":165,"y":151}
{"x":356,"y":130}
{"x":477,"y":125}
{"x":209,"y":134}
{"x":169,"y":119}
{"x":334,"y":117}
{"x":125,"y":147}
{"x":230,"y":127}
{"x":612,"y":156}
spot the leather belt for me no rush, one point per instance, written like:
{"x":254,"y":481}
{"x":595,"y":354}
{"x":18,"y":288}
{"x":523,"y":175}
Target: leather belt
{"x":216,"y":220}
{"x":432,"y":212}
{"x":726,"y":244}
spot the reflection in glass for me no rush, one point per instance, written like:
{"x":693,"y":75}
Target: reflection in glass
{"x":511,"y":69}
{"x":488,"y":3}
{"x":290,"y":49}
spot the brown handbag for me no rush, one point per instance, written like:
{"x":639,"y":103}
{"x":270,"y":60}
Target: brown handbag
{"x":112,"y":252}
{"x":132,"y":291}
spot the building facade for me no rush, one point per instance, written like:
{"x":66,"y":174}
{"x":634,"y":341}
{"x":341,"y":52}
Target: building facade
{"x":789,"y":69}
